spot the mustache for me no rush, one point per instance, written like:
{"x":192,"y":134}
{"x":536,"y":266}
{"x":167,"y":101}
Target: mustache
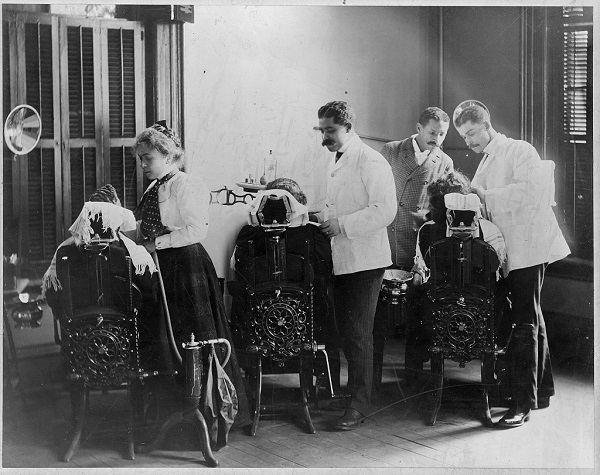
{"x":327,"y":142}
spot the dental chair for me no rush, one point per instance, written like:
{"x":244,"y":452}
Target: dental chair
{"x":275,"y":316}
{"x":96,"y":326}
{"x":466,"y":307}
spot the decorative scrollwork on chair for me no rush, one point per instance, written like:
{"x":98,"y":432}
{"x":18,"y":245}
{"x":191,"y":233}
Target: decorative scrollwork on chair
{"x":465,"y":304}
{"x":97,"y":315}
{"x":279,"y":327}
{"x":275,"y":289}
{"x":101,"y":350}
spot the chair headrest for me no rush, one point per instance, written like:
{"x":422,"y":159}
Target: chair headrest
{"x":93,"y":213}
{"x":277,"y":209}
{"x":274,"y":211}
{"x":463,"y":213}
{"x":458,"y":201}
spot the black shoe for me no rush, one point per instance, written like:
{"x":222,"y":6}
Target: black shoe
{"x":349,"y":420}
{"x":543,"y":402}
{"x":505,"y":401}
{"x":515,"y":417}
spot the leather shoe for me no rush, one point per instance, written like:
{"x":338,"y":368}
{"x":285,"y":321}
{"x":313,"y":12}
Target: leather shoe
{"x":349,"y":420}
{"x":543,"y":402}
{"x":515,"y":417}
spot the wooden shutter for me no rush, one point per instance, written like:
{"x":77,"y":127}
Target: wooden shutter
{"x":86,"y":79}
{"x":575,"y":75}
{"x":80,"y":167}
{"x":125,"y":96}
{"x":577,"y":133}
{"x":10,"y":224}
{"x":32,"y":65}
{"x":105,"y":108}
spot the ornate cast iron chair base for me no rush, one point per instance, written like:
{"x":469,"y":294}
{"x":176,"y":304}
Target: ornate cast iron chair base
{"x":305,"y":374}
{"x":465,"y":304}
{"x":96,"y":327}
{"x":277,"y":319}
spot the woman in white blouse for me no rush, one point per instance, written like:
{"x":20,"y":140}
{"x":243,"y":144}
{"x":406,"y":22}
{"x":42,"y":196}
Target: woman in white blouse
{"x":172,"y":220}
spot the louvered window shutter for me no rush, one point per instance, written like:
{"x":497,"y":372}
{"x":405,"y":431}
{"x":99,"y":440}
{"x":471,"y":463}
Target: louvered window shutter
{"x":577,"y":132}
{"x":575,"y":75}
{"x":82,"y":138}
{"x":39,"y":206}
{"x":10,"y":225}
{"x":123,"y":55}
{"x":86,"y":79}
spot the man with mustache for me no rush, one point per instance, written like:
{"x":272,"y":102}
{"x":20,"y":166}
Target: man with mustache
{"x":416,"y":161}
{"x":516,"y":189}
{"x":360,"y":203}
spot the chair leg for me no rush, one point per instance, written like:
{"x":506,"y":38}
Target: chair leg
{"x":204,"y":439}
{"x":487,"y":381}
{"x":133,"y":394}
{"x":78,"y":401}
{"x":437,"y":368}
{"x":257,"y":393}
{"x":322,"y":349}
{"x":304,"y":374}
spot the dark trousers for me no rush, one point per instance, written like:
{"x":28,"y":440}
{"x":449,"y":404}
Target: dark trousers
{"x":528,"y":353}
{"x":355,"y":296}
{"x":389,"y":318}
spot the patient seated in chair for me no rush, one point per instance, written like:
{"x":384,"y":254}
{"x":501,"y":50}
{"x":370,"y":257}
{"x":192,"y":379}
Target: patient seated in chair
{"x":298,"y":231}
{"x":454,"y":210}
{"x":93,"y":263}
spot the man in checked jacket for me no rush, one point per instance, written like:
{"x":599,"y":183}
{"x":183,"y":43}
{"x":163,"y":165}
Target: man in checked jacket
{"x":416,"y":161}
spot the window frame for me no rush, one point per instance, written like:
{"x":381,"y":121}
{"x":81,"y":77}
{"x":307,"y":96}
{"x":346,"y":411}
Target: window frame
{"x":61,"y":142}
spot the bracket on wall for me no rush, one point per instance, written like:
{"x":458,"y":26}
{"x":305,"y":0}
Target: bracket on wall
{"x":227,"y":197}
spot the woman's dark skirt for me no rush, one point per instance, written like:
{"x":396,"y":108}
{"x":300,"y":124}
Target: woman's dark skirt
{"x":195,"y":302}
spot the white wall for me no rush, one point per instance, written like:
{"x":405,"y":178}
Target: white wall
{"x":255,"y":77}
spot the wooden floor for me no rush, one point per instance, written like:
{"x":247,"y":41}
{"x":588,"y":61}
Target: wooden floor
{"x":395,"y":436}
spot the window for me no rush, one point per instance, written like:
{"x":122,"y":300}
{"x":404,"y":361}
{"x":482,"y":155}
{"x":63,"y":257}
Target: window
{"x":86,"y":79}
{"x":575,"y":75}
{"x":577,"y":129}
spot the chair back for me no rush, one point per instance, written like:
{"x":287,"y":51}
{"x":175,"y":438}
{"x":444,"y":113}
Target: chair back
{"x":279,"y":311}
{"x":462,"y":294}
{"x":98,"y":320}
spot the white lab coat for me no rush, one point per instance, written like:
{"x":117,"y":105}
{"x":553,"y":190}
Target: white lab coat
{"x":361,"y":193}
{"x":518,"y":198}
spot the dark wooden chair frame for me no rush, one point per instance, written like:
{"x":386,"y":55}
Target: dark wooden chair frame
{"x":279,"y":316}
{"x":100,"y":342}
{"x":464,"y":309}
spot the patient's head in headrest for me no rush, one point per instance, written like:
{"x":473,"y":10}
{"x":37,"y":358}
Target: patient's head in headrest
{"x":101,"y":217}
{"x":104,"y":194}
{"x":452,"y":182}
{"x":463,"y":212}
{"x":282,"y":201}
{"x":289,"y":185}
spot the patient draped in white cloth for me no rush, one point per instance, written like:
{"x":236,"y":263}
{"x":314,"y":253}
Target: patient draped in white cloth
{"x":102,"y":220}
